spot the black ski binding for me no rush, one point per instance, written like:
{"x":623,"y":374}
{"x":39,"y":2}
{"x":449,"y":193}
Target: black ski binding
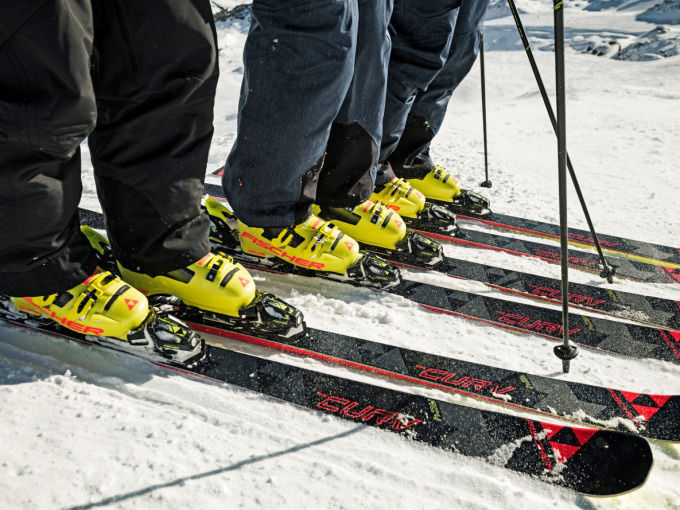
{"x":266,"y":316}
{"x":468,"y":203}
{"x":434,"y":215}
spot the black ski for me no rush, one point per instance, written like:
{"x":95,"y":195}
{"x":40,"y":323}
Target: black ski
{"x":592,"y":462}
{"x":647,"y":310}
{"x":653,"y":416}
{"x":583,"y":260}
{"x":601,"y":334}
{"x":615,"y":245}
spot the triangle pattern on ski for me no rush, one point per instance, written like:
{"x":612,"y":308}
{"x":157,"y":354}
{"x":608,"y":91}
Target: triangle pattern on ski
{"x":645,"y":411}
{"x":563,"y":452}
{"x":630,"y":396}
{"x":660,"y":400}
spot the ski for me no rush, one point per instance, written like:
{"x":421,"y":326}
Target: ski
{"x":618,"y":246}
{"x":652,"y":416}
{"x":590,"y":461}
{"x":648,"y":310}
{"x":601,"y":334}
{"x":583,"y":260}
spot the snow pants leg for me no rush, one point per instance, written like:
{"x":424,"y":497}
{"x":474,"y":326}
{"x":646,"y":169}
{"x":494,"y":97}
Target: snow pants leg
{"x":47,"y":108}
{"x":434,"y":49}
{"x":154,"y":78}
{"x":347,"y":176}
{"x":310,"y":108}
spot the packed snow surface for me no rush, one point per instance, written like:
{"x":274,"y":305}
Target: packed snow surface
{"x":88,"y":428}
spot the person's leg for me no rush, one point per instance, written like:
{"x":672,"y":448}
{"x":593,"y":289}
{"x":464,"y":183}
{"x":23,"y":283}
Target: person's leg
{"x":431,"y":103}
{"x":299,"y":61}
{"x":422,"y":33}
{"x":413,"y":123}
{"x":410,"y":158}
{"x":47,"y":108}
{"x":348,"y":173}
{"x":155,"y":74}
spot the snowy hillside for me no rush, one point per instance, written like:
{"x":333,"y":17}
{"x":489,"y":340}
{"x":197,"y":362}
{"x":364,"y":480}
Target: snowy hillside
{"x":87,"y":428}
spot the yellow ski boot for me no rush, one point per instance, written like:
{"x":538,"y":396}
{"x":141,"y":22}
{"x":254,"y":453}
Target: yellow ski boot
{"x":213,"y":283}
{"x":398,"y":195}
{"x":108,"y":311}
{"x":384,"y":230}
{"x":369,"y":222}
{"x":213,"y":288}
{"x":410,"y":203}
{"x":438,"y":184}
{"x":440,"y":187}
{"x":103,"y":305}
{"x":314,"y":245}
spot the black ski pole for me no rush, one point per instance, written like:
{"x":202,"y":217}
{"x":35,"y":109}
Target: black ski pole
{"x":487,"y":182}
{"x":607,"y":271}
{"x":566,"y":351}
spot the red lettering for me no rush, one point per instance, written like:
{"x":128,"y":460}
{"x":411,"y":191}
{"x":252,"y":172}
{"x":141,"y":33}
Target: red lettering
{"x":327,"y":403}
{"x":449,"y":379}
{"x":431,"y":373}
{"x":443,"y":376}
{"x":347,"y":411}
{"x":510,"y":318}
{"x":382,"y":416}
{"x":74,"y":325}
{"x":94,"y":331}
{"x":281,"y":253}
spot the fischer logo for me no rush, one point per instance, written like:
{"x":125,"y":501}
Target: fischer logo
{"x":529,"y":323}
{"x":64,"y":322}
{"x":131,"y":303}
{"x":556,"y":256}
{"x":442,"y":376}
{"x":590,"y":240}
{"x":556,"y":294}
{"x":279,"y":252}
{"x":346,"y":407}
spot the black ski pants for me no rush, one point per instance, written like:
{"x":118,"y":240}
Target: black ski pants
{"x":136,"y":76}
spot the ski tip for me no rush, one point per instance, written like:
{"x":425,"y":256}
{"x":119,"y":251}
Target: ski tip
{"x":607,"y":464}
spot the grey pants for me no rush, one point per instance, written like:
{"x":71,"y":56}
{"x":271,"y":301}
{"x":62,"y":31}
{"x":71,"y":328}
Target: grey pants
{"x":311,"y":107}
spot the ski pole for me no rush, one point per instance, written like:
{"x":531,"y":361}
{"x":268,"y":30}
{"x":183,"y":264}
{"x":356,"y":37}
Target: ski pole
{"x":607,"y":271}
{"x":566,"y":351}
{"x":487,"y":182}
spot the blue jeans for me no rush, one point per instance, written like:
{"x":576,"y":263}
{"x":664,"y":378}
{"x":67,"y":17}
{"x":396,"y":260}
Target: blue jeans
{"x":435,"y":44}
{"x":310,"y":110}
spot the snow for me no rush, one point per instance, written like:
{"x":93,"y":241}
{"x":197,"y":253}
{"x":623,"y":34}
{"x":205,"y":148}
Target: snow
{"x":87,"y":428}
